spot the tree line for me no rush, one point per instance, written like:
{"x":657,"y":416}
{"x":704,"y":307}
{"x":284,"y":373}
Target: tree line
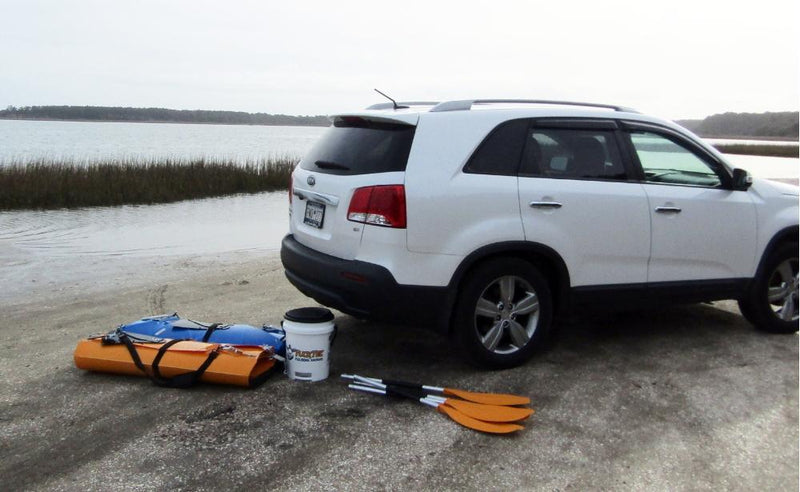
{"x":737,"y":125}
{"x":108,"y":113}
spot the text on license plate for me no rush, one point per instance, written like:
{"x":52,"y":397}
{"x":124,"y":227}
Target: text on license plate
{"x":315,"y":214}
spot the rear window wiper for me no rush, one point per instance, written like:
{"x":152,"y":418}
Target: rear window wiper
{"x":331,"y":165}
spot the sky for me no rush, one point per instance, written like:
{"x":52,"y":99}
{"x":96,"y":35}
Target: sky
{"x":675,"y":59}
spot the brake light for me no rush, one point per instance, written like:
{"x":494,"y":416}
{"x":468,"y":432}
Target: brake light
{"x":291,"y":183}
{"x":379,"y":205}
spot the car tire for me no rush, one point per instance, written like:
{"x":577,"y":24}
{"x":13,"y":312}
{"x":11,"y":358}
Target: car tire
{"x":503,"y":313}
{"x":747,"y":312}
{"x":772,"y":303}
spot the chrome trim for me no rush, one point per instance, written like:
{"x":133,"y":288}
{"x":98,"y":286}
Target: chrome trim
{"x":315,"y":197}
{"x":466,"y":104}
{"x":545,"y":204}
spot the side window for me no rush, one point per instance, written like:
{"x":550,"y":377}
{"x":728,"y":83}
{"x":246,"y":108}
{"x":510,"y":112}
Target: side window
{"x":500,"y":152}
{"x":664,"y":161}
{"x":572,"y":154}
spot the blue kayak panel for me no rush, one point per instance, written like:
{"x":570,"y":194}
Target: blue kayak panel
{"x":173,"y":326}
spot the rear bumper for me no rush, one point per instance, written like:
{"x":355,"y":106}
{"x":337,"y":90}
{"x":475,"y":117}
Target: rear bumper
{"x":361,"y":289}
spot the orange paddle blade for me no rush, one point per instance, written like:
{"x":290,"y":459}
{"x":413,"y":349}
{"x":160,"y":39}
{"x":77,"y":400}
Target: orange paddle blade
{"x":478,"y":425}
{"x":488,"y":398}
{"x":489,"y":413}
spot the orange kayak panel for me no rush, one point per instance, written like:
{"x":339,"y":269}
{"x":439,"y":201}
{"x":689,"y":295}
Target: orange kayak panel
{"x":239,"y":367}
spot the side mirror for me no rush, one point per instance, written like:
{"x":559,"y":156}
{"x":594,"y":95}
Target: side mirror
{"x":741,"y":180}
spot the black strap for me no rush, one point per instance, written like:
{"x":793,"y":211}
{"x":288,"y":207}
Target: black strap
{"x":184,"y":380}
{"x":209,"y":331}
{"x":132,"y":350}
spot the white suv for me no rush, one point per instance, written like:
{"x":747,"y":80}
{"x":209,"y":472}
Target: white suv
{"x":487,"y":218}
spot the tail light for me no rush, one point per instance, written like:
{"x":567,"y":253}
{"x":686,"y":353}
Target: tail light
{"x":291,"y":183}
{"x":379,"y":205}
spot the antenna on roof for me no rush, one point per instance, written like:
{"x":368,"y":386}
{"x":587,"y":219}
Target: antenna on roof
{"x":389,"y":98}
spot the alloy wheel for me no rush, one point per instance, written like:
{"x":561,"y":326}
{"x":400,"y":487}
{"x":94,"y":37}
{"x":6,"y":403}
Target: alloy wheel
{"x":507,"y":314}
{"x":782,"y":290}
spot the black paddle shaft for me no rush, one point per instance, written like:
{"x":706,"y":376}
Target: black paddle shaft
{"x":405,"y":384}
{"x":404,"y":392}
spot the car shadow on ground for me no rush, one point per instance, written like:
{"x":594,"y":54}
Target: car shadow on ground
{"x":417,"y":352}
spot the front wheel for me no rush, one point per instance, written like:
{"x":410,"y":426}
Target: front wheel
{"x":772,"y":303}
{"x":503,"y":312}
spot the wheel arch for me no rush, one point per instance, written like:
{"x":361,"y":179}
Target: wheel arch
{"x":547,"y":260}
{"x":787,"y":235}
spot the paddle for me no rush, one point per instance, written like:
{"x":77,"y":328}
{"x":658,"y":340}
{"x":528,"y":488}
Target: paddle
{"x":454,"y":414}
{"x":478,"y":425}
{"x":487,"y":413}
{"x":485,"y":398}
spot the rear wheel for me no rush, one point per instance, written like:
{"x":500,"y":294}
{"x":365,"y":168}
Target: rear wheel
{"x":772,"y":303}
{"x":503,"y":312}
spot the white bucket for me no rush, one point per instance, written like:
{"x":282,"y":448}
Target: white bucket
{"x":309,"y":334}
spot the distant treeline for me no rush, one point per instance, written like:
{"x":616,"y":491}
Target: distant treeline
{"x":734,"y":125}
{"x":161,"y":115}
{"x":746,"y":125}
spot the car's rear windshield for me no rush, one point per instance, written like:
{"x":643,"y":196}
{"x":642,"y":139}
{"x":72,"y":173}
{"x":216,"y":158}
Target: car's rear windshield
{"x":359,"y":146}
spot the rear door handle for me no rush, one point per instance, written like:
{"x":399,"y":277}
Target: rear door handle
{"x":545,"y":205}
{"x":668,"y":210}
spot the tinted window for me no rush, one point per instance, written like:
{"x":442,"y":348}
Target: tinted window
{"x":664,"y":161}
{"x":500,"y":152}
{"x":359,"y":146}
{"x":572,"y":154}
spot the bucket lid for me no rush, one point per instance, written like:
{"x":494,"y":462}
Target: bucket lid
{"x":309,"y":315}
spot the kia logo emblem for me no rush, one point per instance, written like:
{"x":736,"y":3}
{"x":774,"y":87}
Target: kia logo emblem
{"x":311,"y":181}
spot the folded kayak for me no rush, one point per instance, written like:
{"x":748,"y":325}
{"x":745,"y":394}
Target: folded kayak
{"x":174,"y":327}
{"x":174,"y":363}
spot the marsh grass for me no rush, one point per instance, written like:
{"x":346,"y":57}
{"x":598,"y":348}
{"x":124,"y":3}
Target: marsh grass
{"x":48,"y":184}
{"x":762,"y":150}
{"x":55,"y":183}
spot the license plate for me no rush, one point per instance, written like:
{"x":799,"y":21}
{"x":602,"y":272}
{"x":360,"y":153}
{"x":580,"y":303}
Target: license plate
{"x":315,"y":214}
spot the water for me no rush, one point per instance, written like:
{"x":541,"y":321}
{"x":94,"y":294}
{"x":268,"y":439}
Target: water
{"x":46,"y":253}
{"x":727,"y":141}
{"x":193,"y":227}
{"x":783,"y":168}
{"x":23,"y":141}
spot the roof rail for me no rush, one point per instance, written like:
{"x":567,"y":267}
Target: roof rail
{"x":466,"y":104}
{"x":403,"y":104}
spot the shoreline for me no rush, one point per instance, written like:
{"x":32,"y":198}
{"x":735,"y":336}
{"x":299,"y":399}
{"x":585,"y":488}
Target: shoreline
{"x":158,"y":122}
{"x":791,"y":151}
{"x":123,"y":274}
{"x":77,"y":120}
{"x":766,"y":139}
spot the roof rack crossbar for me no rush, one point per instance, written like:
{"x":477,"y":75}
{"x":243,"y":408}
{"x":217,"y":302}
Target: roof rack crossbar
{"x":403,"y":103}
{"x":466,"y":104}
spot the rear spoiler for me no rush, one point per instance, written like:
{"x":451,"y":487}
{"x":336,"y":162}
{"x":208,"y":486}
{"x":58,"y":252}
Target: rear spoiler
{"x":383,"y":116}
